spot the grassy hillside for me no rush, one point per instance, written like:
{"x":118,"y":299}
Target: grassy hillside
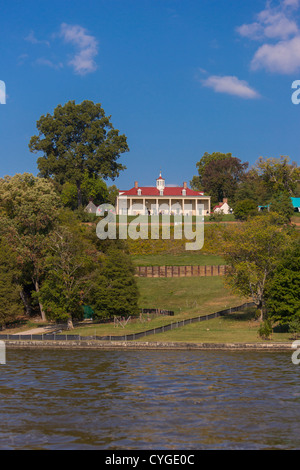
{"x":181,"y":259}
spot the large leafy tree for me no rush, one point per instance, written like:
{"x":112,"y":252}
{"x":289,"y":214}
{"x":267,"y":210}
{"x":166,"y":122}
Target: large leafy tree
{"x":92,"y":188}
{"x":253,"y":187}
{"x":281,"y":203}
{"x":252,"y":251}
{"x":10,"y":289}
{"x":69,"y":265}
{"x":283,"y":292}
{"x":279,"y":174}
{"x":76,"y":139}
{"x":115,"y":291}
{"x":28,"y":212}
{"x":221,"y":178}
{"x":206,"y":159}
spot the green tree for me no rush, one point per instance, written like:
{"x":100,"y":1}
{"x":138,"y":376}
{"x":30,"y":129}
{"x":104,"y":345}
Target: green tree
{"x":221,"y":178}
{"x":29,"y":208}
{"x":283,"y":292}
{"x":10,"y":289}
{"x":280,"y":174}
{"x":254,"y":188}
{"x":281,"y":203}
{"x":92,"y":188}
{"x":244,"y":209}
{"x":68,"y":267}
{"x":206,"y":159}
{"x":115,"y":291}
{"x":113,"y":192}
{"x":252,"y":251}
{"x":76,"y":139}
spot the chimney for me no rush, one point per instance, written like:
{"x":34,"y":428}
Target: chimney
{"x":136,"y":184}
{"x":184,"y":185}
{"x":225,"y":200}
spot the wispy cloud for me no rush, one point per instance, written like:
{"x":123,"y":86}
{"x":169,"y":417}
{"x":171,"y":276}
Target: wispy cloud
{"x":33,"y":40}
{"x":276,"y":27}
{"x":49,"y":63}
{"x":272,"y":22}
{"x":86,"y":46}
{"x":230,"y":85}
{"x":85,"y":49}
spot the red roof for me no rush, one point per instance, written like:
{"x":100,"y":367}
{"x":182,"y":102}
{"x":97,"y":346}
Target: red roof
{"x":153,"y":191}
{"x":219,"y":205}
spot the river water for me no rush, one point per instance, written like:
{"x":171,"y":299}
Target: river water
{"x":78,"y":399}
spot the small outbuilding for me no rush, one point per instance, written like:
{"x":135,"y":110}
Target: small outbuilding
{"x":223,"y":207}
{"x":91,"y":208}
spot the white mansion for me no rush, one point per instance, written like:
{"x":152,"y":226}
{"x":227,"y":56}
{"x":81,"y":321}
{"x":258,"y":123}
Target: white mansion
{"x":162,"y":199}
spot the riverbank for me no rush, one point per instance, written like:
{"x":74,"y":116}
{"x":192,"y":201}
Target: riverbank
{"x":139,"y":345}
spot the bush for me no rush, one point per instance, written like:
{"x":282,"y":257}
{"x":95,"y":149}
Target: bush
{"x":294,"y":327}
{"x":265,"y":330}
{"x":244,"y":209}
{"x":216,"y":216}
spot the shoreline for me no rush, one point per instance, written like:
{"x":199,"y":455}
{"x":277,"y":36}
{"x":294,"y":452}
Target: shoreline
{"x":139,"y":345}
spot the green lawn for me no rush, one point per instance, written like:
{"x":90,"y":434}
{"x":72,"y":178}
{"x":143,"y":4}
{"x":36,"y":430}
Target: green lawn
{"x":181,"y":259}
{"x":241,"y":327}
{"x":187,"y":297}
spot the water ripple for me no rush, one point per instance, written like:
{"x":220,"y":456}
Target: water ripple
{"x":149,"y":400}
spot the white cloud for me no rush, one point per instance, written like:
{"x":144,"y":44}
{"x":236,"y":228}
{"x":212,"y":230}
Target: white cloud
{"x":86,"y":47}
{"x":277,"y":28}
{"x":291,"y":3}
{"x":271,"y":23}
{"x":230,"y":85}
{"x":283,"y":57}
{"x":252,"y":31}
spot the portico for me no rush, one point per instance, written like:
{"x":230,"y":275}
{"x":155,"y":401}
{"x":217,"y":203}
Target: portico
{"x":162,"y":199}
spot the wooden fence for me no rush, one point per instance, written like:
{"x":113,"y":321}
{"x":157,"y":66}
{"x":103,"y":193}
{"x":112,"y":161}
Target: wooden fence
{"x":180,"y":271}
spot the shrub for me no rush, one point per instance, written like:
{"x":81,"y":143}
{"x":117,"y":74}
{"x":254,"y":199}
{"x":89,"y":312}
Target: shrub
{"x":265,"y":330}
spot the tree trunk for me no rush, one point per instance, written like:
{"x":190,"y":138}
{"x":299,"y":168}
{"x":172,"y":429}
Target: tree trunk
{"x":26,"y":302}
{"x":70,"y":324}
{"x":262,"y":309}
{"x":37,"y":289}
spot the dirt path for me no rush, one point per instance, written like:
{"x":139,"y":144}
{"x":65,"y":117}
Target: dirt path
{"x":39,"y":331}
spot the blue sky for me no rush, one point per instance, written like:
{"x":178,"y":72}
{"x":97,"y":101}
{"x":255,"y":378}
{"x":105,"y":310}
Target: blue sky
{"x":178,"y":77}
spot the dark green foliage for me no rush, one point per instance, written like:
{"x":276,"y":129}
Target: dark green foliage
{"x":10,"y":301}
{"x":283,"y":292}
{"x":265,"y":330}
{"x":219,"y":175}
{"x":281,"y":203}
{"x":115,"y":292}
{"x":294,"y":327}
{"x":77,"y":139}
{"x":244,"y":209}
{"x":69,"y":264}
{"x":92,"y":188}
{"x":28,"y":213}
